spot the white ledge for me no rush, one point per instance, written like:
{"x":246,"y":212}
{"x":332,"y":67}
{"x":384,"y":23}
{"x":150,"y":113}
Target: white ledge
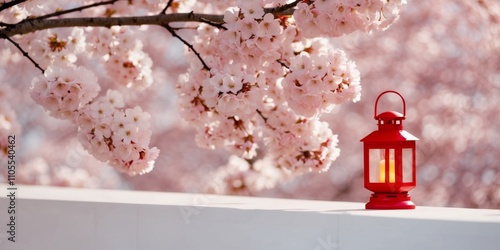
{"x":67,"y":218}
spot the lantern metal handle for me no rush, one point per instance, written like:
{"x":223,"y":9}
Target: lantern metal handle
{"x":390,"y":91}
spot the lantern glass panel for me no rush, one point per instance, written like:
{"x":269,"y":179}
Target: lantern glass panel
{"x":376,"y":156}
{"x":379,"y":167}
{"x":407,"y":165}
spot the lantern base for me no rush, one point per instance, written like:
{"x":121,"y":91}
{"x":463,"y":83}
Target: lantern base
{"x":390,"y":201}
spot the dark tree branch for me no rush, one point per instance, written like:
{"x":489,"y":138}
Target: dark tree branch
{"x":36,"y":25}
{"x":283,"y":8}
{"x":5,"y":24}
{"x":10,"y":4}
{"x":62,"y":12}
{"x":283,"y":64}
{"x":42,"y":23}
{"x":164,"y":11}
{"x":190,"y":46}
{"x":25,"y":54}
{"x":214,"y":24}
{"x":261,"y":115}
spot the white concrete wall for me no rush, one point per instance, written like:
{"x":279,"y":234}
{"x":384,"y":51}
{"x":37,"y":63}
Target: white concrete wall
{"x":72,"y":219}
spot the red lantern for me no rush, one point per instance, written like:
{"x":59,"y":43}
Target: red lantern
{"x":389,"y":161}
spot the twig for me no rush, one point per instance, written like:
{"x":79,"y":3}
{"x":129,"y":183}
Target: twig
{"x":174,"y":34}
{"x":62,"y":12}
{"x":261,"y":115}
{"x":217,"y":25}
{"x":25,"y":54}
{"x":164,"y":11}
{"x":282,"y":8}
{"x":10,"y":4}
{"x":282,"y":64}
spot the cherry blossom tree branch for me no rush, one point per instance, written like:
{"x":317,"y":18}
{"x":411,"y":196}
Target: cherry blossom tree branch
{"x":42,"y":23}
{"x":282,"y":8}
{"x":214,"y":24}
{"x":25,"y":54}
{"x":10,"y":4}
{"x":162,"y":19}
{"x":283,"y":64}
{"x":261,"y":115}
{"x":190,"y":46}
{"x":164,"y":11}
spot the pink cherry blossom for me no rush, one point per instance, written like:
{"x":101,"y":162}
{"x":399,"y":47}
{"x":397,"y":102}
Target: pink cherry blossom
{"x":63,"y":93}
{"x":268,"y":27}
{"x":251,"y":9}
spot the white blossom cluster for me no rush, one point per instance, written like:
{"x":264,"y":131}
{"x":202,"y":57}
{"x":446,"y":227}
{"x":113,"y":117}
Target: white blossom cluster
{"x":337,"y":18}
{"x":109,"y":132}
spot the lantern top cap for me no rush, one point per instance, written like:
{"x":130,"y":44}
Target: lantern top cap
{"x":390,"y":114}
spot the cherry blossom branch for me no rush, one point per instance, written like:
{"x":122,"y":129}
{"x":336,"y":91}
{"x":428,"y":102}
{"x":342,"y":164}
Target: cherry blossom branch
{"x":25,"y":54}
{"x":190,"y":46}
{"x":162,"y":19}
{"x":164,"y":11}
{"x":261,"y":115}
{"x":10,"y":4}
{"x":283,"y":64}
{"x":214,"y":24}
{"x":63,"y":12}
{"x":264,"y":118}
{"x":282,"y":8}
